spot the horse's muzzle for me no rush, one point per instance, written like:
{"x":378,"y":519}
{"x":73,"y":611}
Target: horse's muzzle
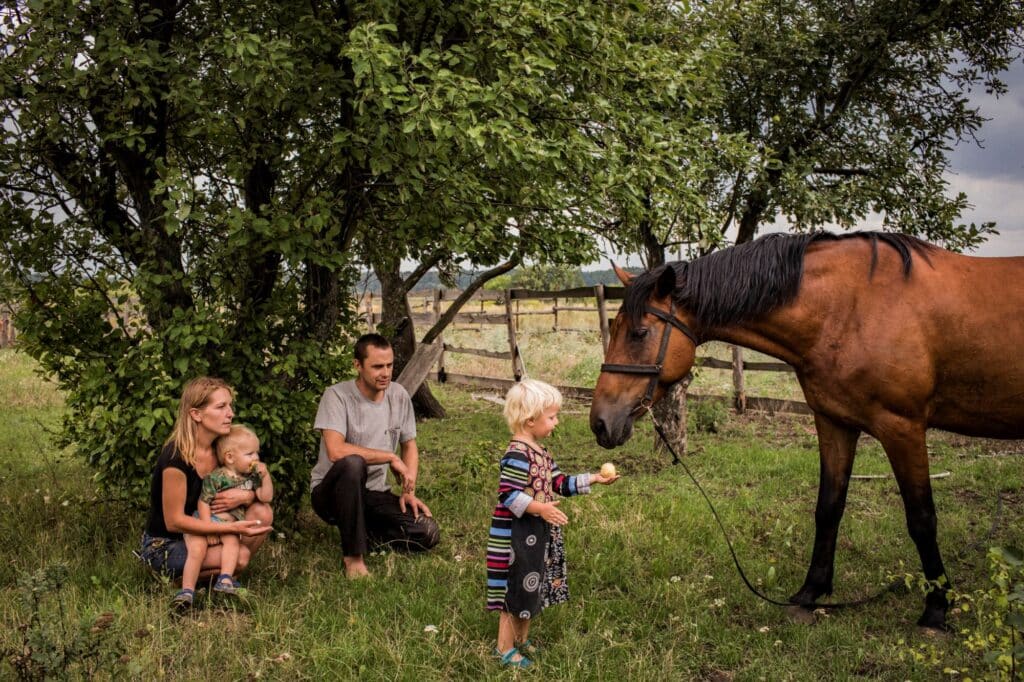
{"x":610,"y":432}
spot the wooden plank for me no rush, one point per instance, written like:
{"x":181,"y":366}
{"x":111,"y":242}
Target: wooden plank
{"x":602,"y":316}
{"x":513,"y":345}
{"x":498,"y":355}
{"x":715,"y":363}
{"x":505,"y":384}
{"x":416,"y":370}
{"x":461,"y":318}
{"x":576,"y":309}
{"x":739,"y":393}
{"x":536,"y":295}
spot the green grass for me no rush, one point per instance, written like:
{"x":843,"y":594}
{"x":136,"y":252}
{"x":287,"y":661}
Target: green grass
{"x":654,"y":592}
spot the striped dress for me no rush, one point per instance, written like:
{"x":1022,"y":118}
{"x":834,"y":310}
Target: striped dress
{"x":526,"y":569}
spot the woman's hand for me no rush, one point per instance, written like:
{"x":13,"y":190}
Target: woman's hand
{"x":250,"y":527}
{"x":226,"y":500}
{"x":552,"y":514}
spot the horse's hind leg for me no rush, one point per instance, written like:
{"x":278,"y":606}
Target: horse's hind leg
{"x":904,"y":443}
{"x":837,"y":445}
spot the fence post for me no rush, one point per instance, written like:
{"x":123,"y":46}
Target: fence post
{"x":602,"y":314}
{"x":513,"y":345}
{"x":554,"y":310}
{"x":739,"y":393}
{"x":371,"y":316}
{"x":438,"y":296}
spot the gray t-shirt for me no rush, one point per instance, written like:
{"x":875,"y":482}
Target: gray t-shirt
{"x":380,"y":426}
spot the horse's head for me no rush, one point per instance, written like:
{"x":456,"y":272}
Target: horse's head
{"x":647,"y":353}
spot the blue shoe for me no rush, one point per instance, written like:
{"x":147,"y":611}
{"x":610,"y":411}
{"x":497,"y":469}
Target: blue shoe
{"x":182,"y":602}
{"x":528,"y":647}
{"x":506,"y":659}
{"x":227,"y":585}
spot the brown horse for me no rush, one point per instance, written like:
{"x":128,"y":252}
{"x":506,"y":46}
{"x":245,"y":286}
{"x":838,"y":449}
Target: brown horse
{"x":889,"y":336}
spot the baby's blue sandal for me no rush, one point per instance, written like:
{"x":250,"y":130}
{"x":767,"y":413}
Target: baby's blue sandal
{"x":226,"y":585}
{"x":506,"y":659}
{"x":528,"y":647}
{"x":182,"y":602}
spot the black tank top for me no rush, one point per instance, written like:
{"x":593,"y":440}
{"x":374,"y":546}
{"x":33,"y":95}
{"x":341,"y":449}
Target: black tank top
{"x":170,"y":459}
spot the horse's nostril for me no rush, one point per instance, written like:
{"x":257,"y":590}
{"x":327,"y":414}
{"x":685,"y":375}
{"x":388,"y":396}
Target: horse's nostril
{"x":598,"y":427}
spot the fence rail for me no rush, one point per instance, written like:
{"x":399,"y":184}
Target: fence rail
{"x":433,"y":302}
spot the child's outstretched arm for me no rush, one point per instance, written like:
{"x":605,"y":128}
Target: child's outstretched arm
{"x":264,"y":493}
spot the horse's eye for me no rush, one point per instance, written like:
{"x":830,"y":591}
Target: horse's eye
{"x":638,"y":334}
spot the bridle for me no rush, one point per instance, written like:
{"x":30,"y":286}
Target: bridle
{"x":654,"y":370}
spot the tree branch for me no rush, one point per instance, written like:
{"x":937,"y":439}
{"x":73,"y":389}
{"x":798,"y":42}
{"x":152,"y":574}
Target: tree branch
{"x":467,"y":294}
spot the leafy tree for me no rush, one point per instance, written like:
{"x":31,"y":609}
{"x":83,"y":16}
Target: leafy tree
{"x":852,"y":109}
{"x":190,"y":187}
{"x":508,"y":136}
{"x":173,"y":206}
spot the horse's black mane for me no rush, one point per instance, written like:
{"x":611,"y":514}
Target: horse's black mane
{"x":748,"y":280}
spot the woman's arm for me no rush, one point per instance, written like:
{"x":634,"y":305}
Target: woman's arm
{"x":175,"y":489}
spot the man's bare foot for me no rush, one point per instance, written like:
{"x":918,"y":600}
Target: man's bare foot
{"x":355,"y":567}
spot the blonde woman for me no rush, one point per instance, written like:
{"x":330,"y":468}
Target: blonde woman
{"x":204,"y":414}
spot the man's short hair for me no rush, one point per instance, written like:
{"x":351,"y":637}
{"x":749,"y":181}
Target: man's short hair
{"x":371,"y":339}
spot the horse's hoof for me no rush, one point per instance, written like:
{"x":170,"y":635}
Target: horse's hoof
{"x":934,"y":620}
{"x":799,"y":614}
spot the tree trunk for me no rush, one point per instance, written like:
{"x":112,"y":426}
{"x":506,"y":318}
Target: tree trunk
{"x":396,"y":323}
{"x":671,"y":415}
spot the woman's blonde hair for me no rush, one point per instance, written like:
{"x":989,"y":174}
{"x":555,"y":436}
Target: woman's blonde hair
{"x":527,"y":400}
{"x":194,"y":396}
{"x":232,"y":441}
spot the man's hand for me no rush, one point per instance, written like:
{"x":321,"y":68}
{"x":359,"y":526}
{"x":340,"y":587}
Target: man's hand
{"x":399,"y":468}
{"x":226,"y":500}
{"x":414,"y":505}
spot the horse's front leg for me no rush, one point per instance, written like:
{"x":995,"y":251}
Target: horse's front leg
{"x":905,"y":446}
{"x":837,"y":445}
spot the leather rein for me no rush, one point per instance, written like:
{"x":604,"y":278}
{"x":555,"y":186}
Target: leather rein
{"x":654,"y":370}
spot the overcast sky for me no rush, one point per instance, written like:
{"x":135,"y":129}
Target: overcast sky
{"x":992,"y":175}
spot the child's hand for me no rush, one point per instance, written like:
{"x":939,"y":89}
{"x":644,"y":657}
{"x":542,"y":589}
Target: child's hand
{"x":604,"y":480}
{"x":260,"y":467}
{"x":212,"y":540}
{"x":553,"y":515}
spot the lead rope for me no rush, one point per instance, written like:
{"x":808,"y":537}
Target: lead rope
{"x":816,"y":605}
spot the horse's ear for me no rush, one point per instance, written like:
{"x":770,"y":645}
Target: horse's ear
{"x":666,"y":281}
{"x":623,"y":276}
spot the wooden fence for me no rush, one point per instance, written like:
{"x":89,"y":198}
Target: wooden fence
{"x":8,"y":334}
{"x":605,"y":303}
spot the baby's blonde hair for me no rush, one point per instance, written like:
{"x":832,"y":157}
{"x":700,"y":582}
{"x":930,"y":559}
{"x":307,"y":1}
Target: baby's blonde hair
{"x":230,"y":442}
{"x":528,"y":399}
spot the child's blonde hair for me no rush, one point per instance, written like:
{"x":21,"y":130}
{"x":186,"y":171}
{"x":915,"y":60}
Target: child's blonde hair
{"x":195,"y":395}
{"x":231,"y":442}
{"x":527,"y":400}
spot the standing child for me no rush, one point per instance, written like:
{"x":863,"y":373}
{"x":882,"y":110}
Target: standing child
{"x":238,"y":453}
{"x":526,"y":552}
